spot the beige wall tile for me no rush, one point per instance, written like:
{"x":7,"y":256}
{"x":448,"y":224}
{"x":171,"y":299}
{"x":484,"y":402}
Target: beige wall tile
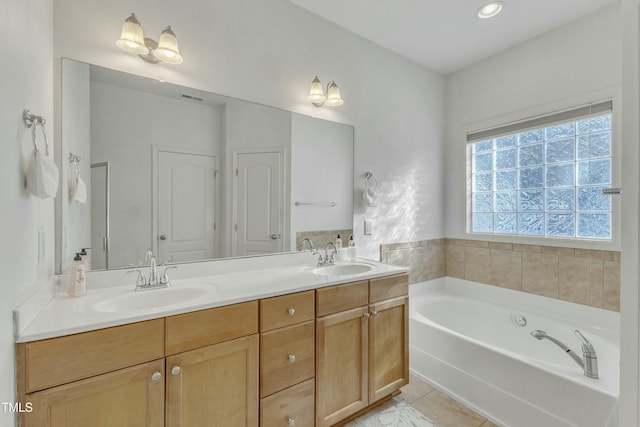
{"x":611,"y":297}
{"x":398,"y":258}
{"x":527,"y":248}
{"x":603,"y":255}
{"x":582,"y":253}
{"x":477,"y":264}
{"x":506,"y":269}
{"x":596,"y":274}
{"x":477,"y":243}
{"x":500,"y":245}
{"x":540,"y":274}
{"x":616,"y":257}
{"x":454,"y":242}
{"x":557,"y":251}
{"x":574,"y":281}
{"x":454,"y":259}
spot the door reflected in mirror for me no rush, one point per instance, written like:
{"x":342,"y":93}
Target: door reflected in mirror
{"x":192,"y":175}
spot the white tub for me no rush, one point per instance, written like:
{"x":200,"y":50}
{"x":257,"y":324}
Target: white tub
{"x":464,"y":340}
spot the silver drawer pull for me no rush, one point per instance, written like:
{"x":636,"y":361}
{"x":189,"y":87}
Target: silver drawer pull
{"x":175,"y":370}
{"x":291,"y":422}
{"x":374,"y":313}
{"x":292,"y":358}
{"x":366,"y":315}
{"x":291,"y":311}
{"x":156,"y":376}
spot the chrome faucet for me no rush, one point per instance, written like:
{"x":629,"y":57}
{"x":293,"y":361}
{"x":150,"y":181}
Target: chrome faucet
{"x":302,"y":245}
{"x":589,"y":361}
{"x":329,"y":256}
{"x":151,"y":281}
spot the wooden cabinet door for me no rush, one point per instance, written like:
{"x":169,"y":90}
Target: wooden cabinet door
{"x":341,"y":365}
{"x":388,"y":347}
{"x":131,"y":397}
{"x":214,"y":386}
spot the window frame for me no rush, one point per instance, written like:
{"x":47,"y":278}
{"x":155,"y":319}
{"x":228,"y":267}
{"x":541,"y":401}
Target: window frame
{"x":612,"y":244}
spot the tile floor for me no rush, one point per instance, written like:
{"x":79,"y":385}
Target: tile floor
{"x":435,"y":405}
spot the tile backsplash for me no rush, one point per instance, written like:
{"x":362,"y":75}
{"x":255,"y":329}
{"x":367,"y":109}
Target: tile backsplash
{"x":321,"y":238}
{"x":582,"y":276}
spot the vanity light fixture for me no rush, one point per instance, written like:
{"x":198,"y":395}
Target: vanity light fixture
{"x":132,"y":40}
{"x":491,"y":9}
{"x":317,"y":97}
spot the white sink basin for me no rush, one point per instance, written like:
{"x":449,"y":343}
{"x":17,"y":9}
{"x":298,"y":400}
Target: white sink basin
{"x":154,"y":298}
{"x":343,"y":269}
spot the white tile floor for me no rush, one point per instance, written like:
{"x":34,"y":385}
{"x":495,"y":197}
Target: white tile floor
{"x":421,"y":405}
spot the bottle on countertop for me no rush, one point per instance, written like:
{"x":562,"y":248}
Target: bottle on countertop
{"x":77,"y":279}
{"x":86,"y":258}
{"x":353,"y":254}
{"x":338,"y":243}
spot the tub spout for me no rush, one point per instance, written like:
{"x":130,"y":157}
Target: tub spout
{"x":589,"y":362}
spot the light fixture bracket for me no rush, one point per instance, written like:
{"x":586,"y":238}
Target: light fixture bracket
{"x":150,"y":57}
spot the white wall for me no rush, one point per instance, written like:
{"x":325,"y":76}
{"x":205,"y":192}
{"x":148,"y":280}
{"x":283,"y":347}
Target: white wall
{"x":322,"y":164}
{"x":26,"y":82}
{"x":269,"y":52}
{"x":581,"y":57}
{"x":125,"y":124}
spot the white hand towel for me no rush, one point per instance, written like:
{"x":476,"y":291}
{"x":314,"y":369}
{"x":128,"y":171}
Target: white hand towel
{"x":80,"y":191}
{"x":370,"y":196}
{"x":42,"y":176}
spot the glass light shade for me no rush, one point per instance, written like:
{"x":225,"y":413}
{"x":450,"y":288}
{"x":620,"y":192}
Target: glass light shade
{"x":167,"y":50}
{"x":132,"y":37}
{"x":490,"y":10}
{"x":316,"y":93}
{"x":334,"y":98}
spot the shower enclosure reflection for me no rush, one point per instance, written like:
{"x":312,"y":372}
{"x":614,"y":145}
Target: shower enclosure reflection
{"x":190,"y":174}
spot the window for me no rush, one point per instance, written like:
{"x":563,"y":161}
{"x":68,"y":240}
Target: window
{"x":544,"y":176}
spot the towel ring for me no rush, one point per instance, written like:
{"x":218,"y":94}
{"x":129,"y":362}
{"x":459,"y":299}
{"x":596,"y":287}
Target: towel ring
{"x":35,"y":140}
{"x":368,"y":178}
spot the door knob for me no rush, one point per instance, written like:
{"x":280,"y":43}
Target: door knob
{"x":163,"y":237}
{"x":274,"y":236}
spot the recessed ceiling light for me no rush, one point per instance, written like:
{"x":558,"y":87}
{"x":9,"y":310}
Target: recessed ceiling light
{"x":491,"y":9}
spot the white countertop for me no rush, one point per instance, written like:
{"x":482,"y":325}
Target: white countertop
{"x":63,"y":315}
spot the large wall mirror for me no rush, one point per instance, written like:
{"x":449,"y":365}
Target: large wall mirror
{"x":191,"y":175}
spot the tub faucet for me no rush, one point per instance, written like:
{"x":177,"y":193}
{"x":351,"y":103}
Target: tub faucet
{"x":589,"y":361}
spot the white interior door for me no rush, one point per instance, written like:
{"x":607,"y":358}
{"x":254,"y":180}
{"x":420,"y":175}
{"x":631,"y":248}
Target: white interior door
{"x":258,"y":203}
{"x":186,"y":215}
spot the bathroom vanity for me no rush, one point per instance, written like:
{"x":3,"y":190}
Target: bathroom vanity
{"x":274,"y":347}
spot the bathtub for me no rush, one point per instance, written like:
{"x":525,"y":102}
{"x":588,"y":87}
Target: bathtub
{"x":464,"y":339}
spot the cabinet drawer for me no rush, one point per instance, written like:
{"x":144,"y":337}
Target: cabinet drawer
{"x":205,"y":327}
{"x":286,"y":310}
{"x":334,"y":299}
{"x":287,"y":357}
{"x":295,"y":403}
{"x":388,"y":287}
{"x":56,"y":361}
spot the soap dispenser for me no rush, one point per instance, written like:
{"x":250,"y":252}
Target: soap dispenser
{"x":353,"y":254}
{"x":338,"y":243}
{"x":77,"y":279}
{"x":86,"y":259}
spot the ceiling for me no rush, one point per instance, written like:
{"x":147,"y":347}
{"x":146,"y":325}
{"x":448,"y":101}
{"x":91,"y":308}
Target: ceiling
{"x":445,"y":35}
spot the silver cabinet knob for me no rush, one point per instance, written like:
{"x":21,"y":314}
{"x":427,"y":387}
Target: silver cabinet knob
{"x":175,"y":370}
{"x":291,"y":422}
{"x":163,"y":237}
{"x":291,"y":311}
{"x":274,"y":236}
{"x":366,"y":315}
{"x":374,"y":313}
{"x":156,"y":376}
{"x":292,"y":358}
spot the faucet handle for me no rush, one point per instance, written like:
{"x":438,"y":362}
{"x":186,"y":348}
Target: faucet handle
{"x":164,"y":279}
{"x":141,"y":280}
{"x":587,"y":347}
